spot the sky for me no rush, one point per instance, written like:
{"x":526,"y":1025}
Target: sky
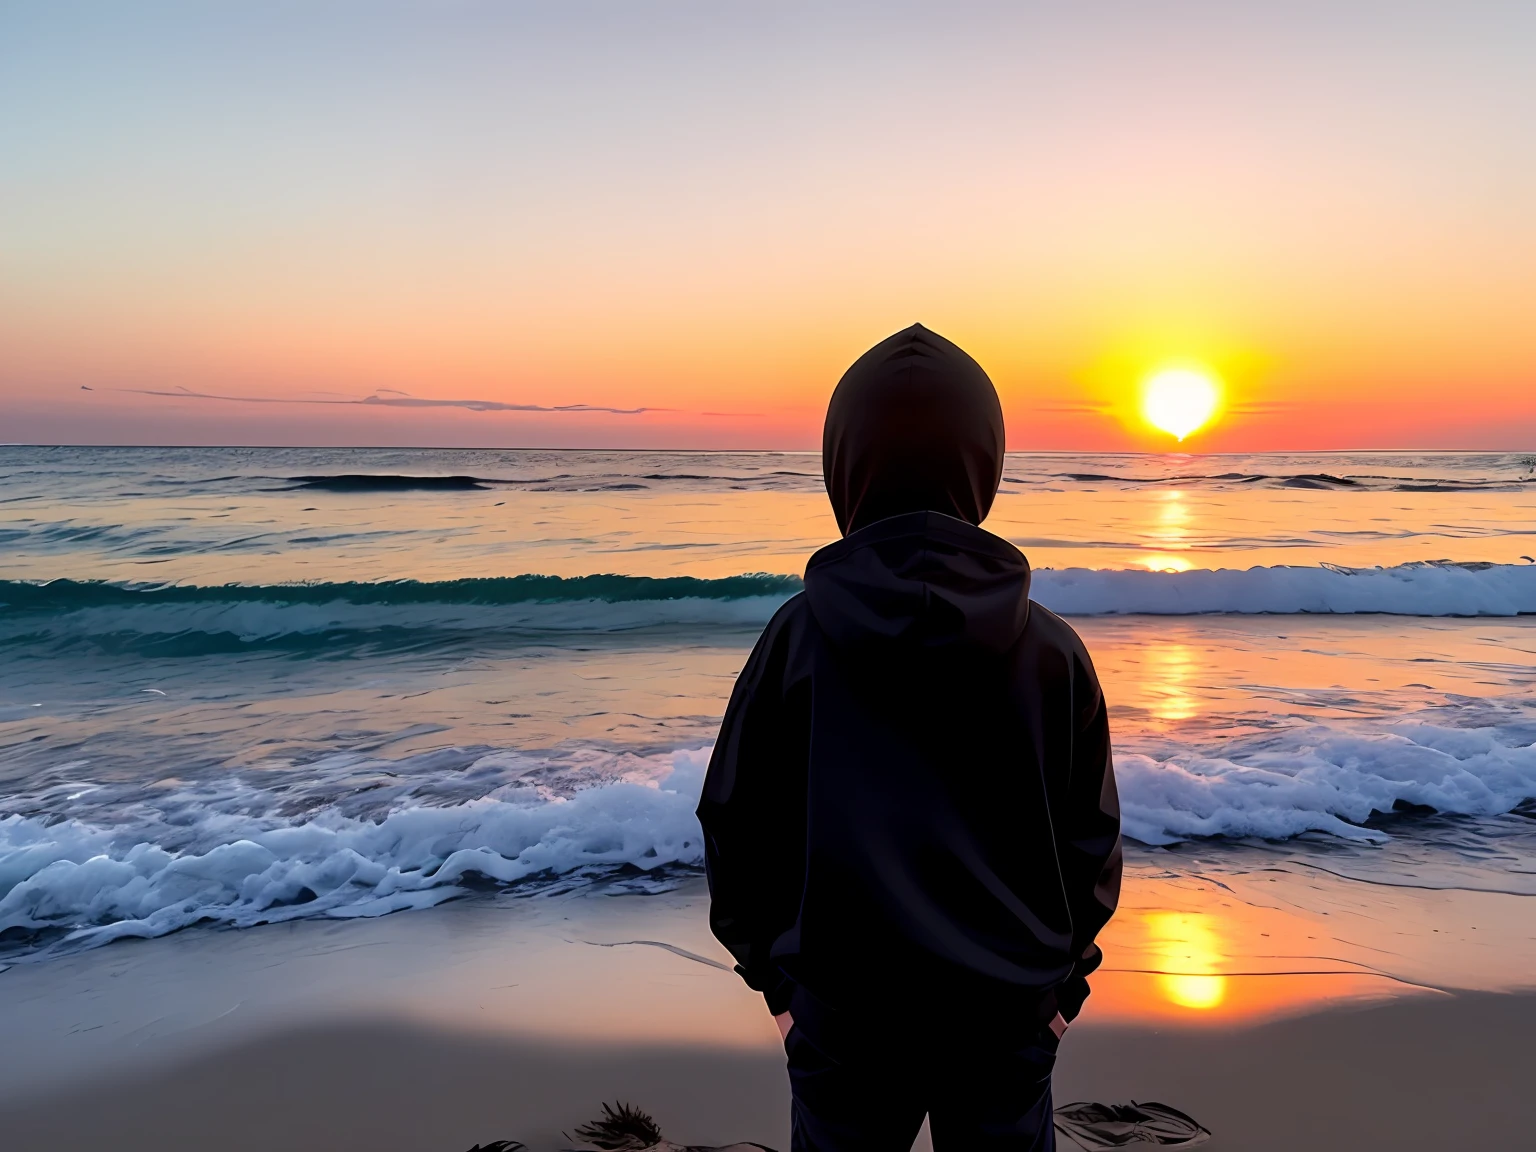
{"x":648,"y":223}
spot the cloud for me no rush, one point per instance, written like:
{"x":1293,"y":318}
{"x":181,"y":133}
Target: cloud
{"x":493,"y":405}
{"x":395,"y":399}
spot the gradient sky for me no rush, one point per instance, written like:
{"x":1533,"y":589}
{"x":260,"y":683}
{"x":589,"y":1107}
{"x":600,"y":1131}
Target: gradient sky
{"x":336,"y":211}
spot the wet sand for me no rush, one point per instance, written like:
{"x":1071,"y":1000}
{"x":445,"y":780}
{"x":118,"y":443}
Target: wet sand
{"x":1451,"y":1074}
{"x":484,"y":1020}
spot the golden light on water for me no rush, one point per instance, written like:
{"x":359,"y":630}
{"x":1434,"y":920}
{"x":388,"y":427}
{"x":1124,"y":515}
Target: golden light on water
{"x":1179,"y":401}
{"x":1164,"y":562}
{"x":1170,"y":668}
{"x":1187,"y":950}
{"x":1169,"y":534}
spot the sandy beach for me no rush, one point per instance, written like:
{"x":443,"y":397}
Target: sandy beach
{"x":483,"y":1020}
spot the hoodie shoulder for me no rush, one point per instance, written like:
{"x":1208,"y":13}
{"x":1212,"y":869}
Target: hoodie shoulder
{"x":1051,"y":629}
{"x":1048,"y":630}
{"x":791,"y":616}
{"x":781,"y":651}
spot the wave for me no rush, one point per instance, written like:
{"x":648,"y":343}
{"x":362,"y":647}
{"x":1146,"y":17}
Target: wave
{"x":1324,"y":778}
{"x":69,"y":595}
{"x":191,"y":620}
{"x":367,"y":482}
{"x":78,"y":877}
{"x":1320,"y":480}
{"x":73,"y":883}
{"x":237,"y":614}
{"x":362,"y":482}
{"x":1418,"y":589}
{"x":1315,"y":481}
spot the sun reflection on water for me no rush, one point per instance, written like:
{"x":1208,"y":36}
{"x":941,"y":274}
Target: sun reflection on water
{"x":1173,"y":516}
{"x":1170,"y":667}
{"x":1169,"y":533}
{"x":1163,"y":562}
{"x":1187,"y":950}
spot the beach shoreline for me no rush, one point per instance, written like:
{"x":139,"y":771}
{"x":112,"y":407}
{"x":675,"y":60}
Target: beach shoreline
{"x":1404,"y":1076}
{"x":485,"y":1020}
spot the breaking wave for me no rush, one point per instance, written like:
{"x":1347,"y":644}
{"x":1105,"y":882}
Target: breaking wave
{"x":1326,"y":778}
{"x":205,"y":617}
{"x":234,"y":853}
{"x":194,"y":619}
{"x":1419,"y":589}
{"x":236,"y":861}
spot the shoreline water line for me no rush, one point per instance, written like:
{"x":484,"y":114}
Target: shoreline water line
{"x":89,"y":862}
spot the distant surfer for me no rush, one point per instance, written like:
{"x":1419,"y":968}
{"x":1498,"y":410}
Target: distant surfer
{"x":911,"y":824}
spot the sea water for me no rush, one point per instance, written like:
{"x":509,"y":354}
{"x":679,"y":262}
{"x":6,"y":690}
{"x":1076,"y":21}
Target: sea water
{"x":247,"y":685}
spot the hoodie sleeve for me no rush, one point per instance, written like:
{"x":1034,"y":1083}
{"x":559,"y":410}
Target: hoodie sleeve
{"x":1091,"y":854}
{"x":753,"y":809}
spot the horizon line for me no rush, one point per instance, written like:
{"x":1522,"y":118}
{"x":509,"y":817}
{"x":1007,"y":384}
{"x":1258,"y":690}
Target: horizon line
{"x":781,"y":451}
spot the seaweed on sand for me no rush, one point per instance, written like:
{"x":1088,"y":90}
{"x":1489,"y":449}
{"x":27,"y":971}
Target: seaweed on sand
{"x":1102,"y":1127}
{"x":624,"y":1128}
{"x":1093,"y":1127}
{"x":621,"y":1129}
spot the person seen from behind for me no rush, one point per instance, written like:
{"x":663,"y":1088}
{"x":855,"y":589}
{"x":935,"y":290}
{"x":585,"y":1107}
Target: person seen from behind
{"x":911,"y":827}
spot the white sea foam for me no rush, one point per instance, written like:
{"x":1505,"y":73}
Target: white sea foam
{"x":98,"y":884}
{"x":73,"y":875}
{"x":1325,"y":779}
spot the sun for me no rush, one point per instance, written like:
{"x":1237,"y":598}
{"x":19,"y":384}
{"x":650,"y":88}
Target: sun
{"x":1179,"y":400}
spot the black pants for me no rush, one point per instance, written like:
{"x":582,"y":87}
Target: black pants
{"x":979,"y":1096}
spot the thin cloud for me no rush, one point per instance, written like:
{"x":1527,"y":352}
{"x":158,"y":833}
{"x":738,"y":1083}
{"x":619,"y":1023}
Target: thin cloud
{"x":494,"y":405}
{"x":1075,"y":409}
{"x":396,"y":399}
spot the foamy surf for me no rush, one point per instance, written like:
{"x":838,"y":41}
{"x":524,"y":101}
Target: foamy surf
{"x":79,"y":883}
{"x":160,"y":862}
{"x":1323,"y":778}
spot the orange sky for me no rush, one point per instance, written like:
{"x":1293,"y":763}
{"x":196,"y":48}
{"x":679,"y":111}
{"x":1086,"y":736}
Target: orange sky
{"x":708,"y":214}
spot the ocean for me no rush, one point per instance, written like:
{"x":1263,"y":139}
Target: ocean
{"x":241,"y":685}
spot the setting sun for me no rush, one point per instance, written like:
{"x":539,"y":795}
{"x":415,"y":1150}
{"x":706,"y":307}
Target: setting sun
{"x":1179,"y":400}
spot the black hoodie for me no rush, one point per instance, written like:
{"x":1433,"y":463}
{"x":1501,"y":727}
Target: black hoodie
{"x":911,"y":806}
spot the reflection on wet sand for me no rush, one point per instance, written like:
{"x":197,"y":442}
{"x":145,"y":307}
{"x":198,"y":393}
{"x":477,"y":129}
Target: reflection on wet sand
{"x":1199,"y":944}
{"x":1189,"y":950}
{"x":1218,"y":967}
{"x":1190,"y":953}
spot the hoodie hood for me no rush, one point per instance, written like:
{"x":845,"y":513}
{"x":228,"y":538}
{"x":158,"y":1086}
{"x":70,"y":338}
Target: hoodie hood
{"x":922,"y":580}
{"x":915,"y":425}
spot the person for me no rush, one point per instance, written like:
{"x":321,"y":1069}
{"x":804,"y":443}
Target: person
{"x":911,"y":829}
